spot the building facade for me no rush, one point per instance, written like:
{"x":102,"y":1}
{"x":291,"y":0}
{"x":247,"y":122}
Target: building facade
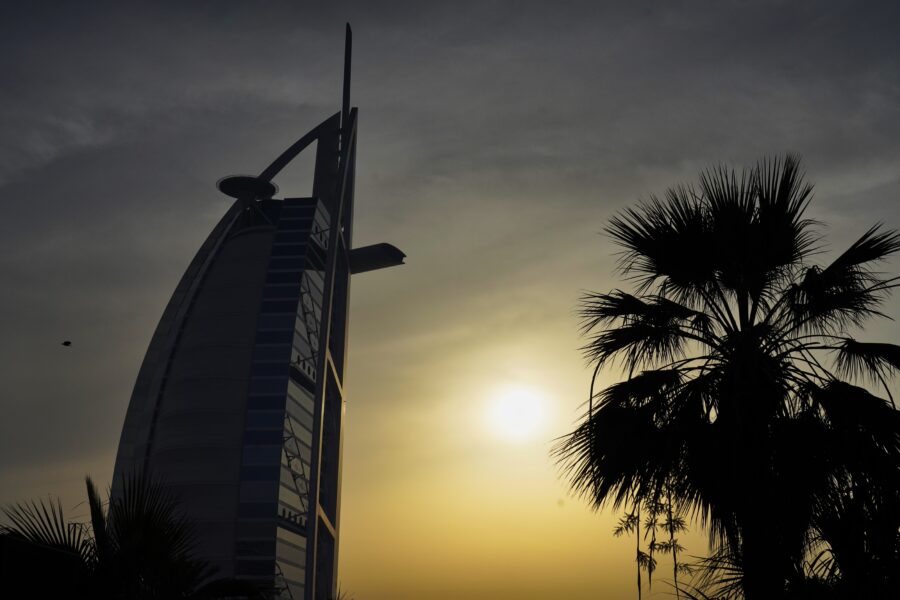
{"x":238,"y":405}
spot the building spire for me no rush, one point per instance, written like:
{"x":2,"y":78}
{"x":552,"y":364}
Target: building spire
{"x":348,"y":51}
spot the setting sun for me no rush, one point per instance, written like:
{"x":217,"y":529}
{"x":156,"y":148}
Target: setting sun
{"x":516,"y":413}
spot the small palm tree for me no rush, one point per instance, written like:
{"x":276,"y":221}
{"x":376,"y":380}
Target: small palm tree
{"x":136,"y":547}
{"x":739,"y":401}
{"x":39,"y":541}
{"x":142,"y":545}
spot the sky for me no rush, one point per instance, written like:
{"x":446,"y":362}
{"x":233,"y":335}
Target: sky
{"x":495,"y":141}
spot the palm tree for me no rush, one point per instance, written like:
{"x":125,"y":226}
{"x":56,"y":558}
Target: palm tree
{"x":739,"y":401}
{"x":40,"y":542}
{"x":137,"y":547}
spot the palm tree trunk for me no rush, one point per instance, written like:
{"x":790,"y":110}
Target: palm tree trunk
{"x":637,"y":549}
{"x":762,"y":549}
{"x":762,"y":571}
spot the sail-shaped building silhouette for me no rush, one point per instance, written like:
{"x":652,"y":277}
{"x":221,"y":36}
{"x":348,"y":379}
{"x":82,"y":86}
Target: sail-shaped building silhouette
{"x":238,"y":405}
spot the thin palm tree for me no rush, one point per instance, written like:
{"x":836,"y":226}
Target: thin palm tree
{"x":740,"y":402}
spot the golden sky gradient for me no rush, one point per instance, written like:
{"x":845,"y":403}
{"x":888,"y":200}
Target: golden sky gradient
{"x":439,"y":501}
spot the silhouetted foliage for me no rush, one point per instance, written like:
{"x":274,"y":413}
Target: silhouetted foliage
{"x":661,"y":523}
{"x":137,"y":547}
{"x":730,"y":410}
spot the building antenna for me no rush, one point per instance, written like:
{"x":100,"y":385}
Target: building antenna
{"x":345,"y":105}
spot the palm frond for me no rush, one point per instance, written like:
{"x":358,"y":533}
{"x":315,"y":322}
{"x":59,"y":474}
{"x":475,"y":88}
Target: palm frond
{"x":847,"y":292}
{"x":650,"y":329}
{"x":823,"y":565}
{"x":783,"y":197}
{"x":875,"y":245}
{"x":867,"y":360}
{"x":783,"y":236}
{"x":101,"y":544}
{"x":665,"y":240}
{"x":154,"y":541}
{"x":630,"y":446}
{"x":637,"y":345}
{"x":648,"y":388}
{"x":855,"y":408}
{"x":44,"y":523}
{"x":864,"y":426}
{"x":721,"y":574}
{"x":597,"y":310}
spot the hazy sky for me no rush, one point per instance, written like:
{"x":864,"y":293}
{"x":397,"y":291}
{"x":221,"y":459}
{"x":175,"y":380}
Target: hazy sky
{"x":495,"y":140}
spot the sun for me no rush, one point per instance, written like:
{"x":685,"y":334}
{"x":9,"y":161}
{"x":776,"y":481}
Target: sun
{"x":516,"y":413}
